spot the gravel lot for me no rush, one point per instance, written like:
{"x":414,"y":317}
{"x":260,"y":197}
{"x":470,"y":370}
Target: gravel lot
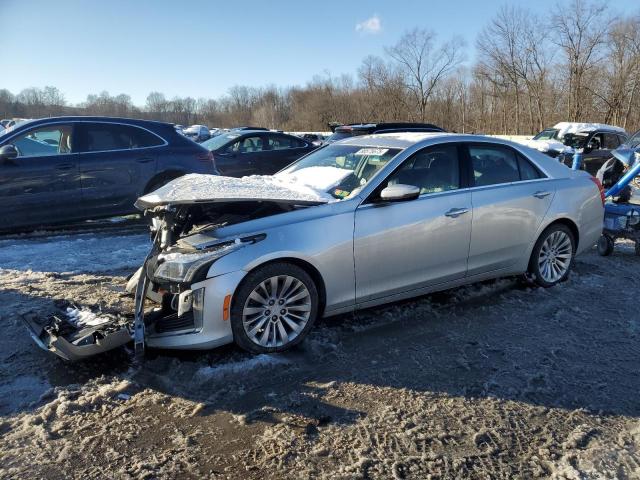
{"x":495,"y":380}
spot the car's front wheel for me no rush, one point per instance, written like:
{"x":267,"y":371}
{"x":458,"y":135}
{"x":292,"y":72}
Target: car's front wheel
{"x":274,"y":308}
{"x":552,"y":256}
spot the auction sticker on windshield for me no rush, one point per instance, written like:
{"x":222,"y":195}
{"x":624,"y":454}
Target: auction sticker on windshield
{"x":372,"y":151}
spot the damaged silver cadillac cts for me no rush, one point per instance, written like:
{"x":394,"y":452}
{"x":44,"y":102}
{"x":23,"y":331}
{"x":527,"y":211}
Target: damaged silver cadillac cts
{"x":358,"y":223}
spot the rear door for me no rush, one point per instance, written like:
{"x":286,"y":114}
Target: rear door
{"x":282,"y":150}
{"x":42,"y":185}
{"x":116,"y":162}
{"x":600,"y":146}
{"x":510,"y":197}
{"x":242,"y":157}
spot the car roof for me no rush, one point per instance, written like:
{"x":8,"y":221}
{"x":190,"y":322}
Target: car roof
{"x":88,"y":118}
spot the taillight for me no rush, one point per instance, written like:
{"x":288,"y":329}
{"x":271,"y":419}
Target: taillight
{"x":207,"y":158}
{"x":600,"y":187}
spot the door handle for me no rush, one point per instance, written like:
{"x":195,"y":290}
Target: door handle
{"x":456,"y":212}
{"x":541,"y":194}
{"x":144,"y":160}
{"x":65,"y":166}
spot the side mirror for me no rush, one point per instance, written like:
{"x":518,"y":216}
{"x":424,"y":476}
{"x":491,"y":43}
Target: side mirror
{"x":8,"y":152}
{"x":399,"y":193}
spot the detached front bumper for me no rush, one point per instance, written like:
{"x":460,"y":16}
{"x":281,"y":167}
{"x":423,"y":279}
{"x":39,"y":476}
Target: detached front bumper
{"x":77,"y":344}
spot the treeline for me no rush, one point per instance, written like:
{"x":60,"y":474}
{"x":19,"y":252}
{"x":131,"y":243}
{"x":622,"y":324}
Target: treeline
{"x":579,"y":63}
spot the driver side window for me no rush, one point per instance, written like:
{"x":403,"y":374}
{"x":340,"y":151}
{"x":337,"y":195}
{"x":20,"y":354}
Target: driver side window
{"x":45,"y":141}
{"x":432,"y":170}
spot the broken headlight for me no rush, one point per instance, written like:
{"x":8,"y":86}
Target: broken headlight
{"x":183,"y":267}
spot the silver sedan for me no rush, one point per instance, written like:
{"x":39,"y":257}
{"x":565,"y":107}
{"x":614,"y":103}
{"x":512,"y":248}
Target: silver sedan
{"x":361,"y":222}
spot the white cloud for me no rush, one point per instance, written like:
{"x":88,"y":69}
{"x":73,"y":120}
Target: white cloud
{"x":371,"y":25}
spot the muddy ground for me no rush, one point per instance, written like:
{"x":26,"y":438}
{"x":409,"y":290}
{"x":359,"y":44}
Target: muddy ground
{"x":495,"y":380}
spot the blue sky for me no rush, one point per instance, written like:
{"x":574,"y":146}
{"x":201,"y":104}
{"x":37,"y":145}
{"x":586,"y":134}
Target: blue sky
{"x":201,"y":48}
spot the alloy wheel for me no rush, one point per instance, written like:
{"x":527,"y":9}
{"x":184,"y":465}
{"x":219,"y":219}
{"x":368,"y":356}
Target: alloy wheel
{"x":276,"y":311}
{"x":555,"y":256}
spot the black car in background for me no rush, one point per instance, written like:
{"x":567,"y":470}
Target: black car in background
{"x":255,"y":152}
{"x":64,"y":169}
{"x":597,"y":146}
{"x":341,"y":132}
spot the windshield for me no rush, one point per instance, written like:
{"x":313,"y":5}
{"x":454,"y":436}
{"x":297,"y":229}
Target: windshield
{"x":339,"y":136}
{"x":218,"y":141}
{"x":340,"y":170}
{"x":547,"y":134}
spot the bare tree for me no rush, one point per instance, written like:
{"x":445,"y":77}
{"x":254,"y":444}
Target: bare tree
{"x":424,"y":64}
{"x":580,"y":31}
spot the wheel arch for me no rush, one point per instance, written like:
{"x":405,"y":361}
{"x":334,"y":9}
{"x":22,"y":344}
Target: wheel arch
{"x":167,"y":175}
{"x":570,"y":224}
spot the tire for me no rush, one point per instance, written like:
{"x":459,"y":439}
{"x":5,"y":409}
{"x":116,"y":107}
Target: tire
{"x":256,"y":326}
{"x":605,"y":245}
{"x":552,"y":257}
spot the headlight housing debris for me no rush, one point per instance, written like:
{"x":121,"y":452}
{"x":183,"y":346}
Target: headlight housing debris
{"x":182,"y":267}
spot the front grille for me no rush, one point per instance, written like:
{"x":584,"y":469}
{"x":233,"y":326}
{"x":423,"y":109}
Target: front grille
{"x":172,"y":323}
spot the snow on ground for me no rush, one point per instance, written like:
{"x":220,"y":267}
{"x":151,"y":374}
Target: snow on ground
{"x":83,"y":317}
{"x":74,"y":253}
{"x":493,"y":380}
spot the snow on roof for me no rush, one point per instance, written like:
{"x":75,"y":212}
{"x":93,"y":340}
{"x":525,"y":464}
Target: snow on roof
{"x":575,"y":127}
{"x":193,"y":188}
{"x":392,"y":140}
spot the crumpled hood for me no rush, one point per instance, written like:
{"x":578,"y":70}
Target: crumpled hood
{"x":199,"y":188}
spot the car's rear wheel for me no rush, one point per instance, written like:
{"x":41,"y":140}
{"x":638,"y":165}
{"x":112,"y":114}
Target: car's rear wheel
{"x":605,"y":245}
{"x":274,"y":308}
{"x":552,"y":256}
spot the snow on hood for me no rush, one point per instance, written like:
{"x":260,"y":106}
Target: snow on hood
{"x":199,"y":188}
{"x":319,"y":178}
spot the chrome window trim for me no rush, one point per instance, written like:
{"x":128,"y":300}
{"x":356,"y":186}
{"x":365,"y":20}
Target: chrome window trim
{"x":57,"y":155}
{"x":407,"y":152}
{"x":71,"y":122}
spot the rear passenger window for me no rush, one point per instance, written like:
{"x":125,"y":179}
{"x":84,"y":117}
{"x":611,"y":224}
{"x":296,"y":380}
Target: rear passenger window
{"x":99,"y":137}
{"x":611,"y":141}
{"x":432,"y":170}
{"x":493,"y":165}
{"x":527,"y":170}
{"x":282,"y":142}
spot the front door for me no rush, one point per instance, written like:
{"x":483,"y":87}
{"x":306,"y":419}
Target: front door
{"x":42,"y":185}
{"x":412,"y":244}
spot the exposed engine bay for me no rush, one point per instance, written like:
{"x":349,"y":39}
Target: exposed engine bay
{"x":184,"y":244}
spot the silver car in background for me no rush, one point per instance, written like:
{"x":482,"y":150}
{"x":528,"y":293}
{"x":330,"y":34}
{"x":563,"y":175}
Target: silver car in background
{"x":361,"y":222}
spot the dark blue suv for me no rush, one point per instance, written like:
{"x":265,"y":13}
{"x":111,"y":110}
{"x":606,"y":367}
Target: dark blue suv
{"x":65,"y":169}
